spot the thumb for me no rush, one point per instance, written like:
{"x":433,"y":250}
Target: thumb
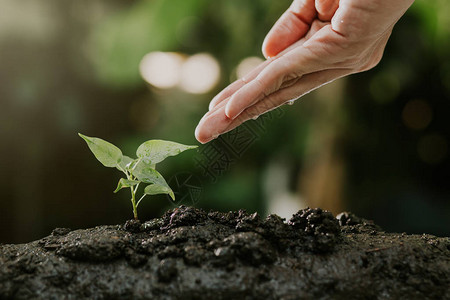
{"x":290,"y":27}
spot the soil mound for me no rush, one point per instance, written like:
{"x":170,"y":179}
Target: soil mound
{"x":192,"y":254}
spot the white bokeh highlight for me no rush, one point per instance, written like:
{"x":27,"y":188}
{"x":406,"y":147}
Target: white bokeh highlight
{"x":196,"y":74}
{"x":247,"y":65}
{"x":161,"y":69}
{"x":199,"y":74}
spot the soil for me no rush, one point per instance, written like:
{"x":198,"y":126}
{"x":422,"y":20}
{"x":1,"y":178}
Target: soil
{"x":192,"y":254}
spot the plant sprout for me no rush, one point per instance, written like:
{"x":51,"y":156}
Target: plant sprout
{"x":141,"y":170}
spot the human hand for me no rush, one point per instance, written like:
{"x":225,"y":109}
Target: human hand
{"x":314,"y":42}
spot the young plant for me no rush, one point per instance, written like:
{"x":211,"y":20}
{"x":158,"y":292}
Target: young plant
{"x":141,"y":170}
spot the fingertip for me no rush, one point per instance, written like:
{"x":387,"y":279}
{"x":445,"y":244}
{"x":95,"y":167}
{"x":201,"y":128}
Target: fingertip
{"x":268,"y":50}
{"x":200,"y":134}
{"x":211,"y":125}
{"x":263,"y":49}
{"x":286,"y":31}
{"x":214,"y":101}
{"x":229,"y":112}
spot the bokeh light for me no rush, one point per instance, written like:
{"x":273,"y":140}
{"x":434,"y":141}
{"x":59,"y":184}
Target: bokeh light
{"x":196,"y":74}
{"x":246,"y":65}
{"x":199,"y":74}
{"x":161,"y":69}
{"x":417,"y":114}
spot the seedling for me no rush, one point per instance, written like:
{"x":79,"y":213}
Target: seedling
{"x":141,"y":170}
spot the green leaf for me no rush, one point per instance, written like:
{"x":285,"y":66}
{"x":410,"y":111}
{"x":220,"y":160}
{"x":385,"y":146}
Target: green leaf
{"x":137,"y":161}
{"x":155,"y":151}
{"x":146,"y":173}
{"x":125,"y":163}
{"x":158,"y":185}
{"x":108,"y":154}
{"x":154,"y":189}
{"x":125,"y":183}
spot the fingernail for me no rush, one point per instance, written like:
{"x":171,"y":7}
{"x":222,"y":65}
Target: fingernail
{"x":197,"y":134}
{"x":228,"y":114}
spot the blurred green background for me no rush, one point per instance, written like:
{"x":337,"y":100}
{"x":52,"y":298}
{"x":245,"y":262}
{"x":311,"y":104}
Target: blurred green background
{"x":375,"y":143}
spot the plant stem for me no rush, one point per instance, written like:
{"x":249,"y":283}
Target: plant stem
{"x":133,"y":195}
{"x":133,"y":202}
{"x":137,"y":205}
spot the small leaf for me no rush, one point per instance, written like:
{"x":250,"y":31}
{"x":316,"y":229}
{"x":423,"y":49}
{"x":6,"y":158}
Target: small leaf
{"x":155,"y":151}
{"x":154,"y":189}
{"x":108,"y":154}
{"x":158,"y":185}
{"x":146,"y":173}
{"x":125,"y":183}
{"x":125,"y":163}
{"x":137,"y":161}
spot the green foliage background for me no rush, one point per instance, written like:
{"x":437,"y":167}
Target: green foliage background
{"x":72,"y":66}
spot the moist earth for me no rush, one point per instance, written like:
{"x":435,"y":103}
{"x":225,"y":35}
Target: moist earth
{"x":189,"y":253}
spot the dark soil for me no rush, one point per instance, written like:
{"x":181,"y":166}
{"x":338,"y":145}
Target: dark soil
{"x":191,"y":254}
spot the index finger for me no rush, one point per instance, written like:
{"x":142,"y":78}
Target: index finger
{"x":238,"y":84}
{"x":232,"y":88}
